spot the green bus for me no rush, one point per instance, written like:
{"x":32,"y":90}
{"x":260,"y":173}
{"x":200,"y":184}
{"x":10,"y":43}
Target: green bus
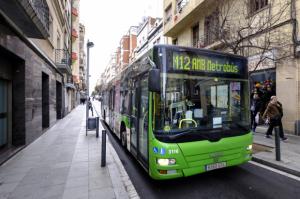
{"x":181,"y":111}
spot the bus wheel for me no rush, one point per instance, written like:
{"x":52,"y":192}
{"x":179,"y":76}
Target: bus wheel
{"x":123,"y":138}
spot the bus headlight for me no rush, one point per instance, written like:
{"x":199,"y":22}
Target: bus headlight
{"x":166,"y":162}
{"x":249,"y":147}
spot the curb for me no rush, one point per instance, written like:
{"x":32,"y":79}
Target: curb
{"x":125,"y":179}
{"x":275,"y":166}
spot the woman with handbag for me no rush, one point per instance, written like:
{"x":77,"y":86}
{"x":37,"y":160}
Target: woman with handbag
{"x":274,"y":115}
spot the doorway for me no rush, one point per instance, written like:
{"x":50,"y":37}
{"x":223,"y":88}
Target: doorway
{"x":45,"y":101}
{"x":3,"y":113}
{"x":58,"y":100}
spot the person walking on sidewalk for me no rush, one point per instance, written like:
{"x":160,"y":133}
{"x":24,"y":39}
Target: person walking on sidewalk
{"x":90,"y":106}
{"x":256,"y":106}
{"x":273,"y":114}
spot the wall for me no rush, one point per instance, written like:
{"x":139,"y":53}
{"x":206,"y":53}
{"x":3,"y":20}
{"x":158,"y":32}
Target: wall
{"x":29,"y":74}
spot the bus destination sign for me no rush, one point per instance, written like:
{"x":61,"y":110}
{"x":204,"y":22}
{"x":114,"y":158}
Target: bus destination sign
{"x":183,"y":61}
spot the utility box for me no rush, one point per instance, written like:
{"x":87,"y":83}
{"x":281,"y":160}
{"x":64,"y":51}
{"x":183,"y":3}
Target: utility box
{"x":92,"y":123}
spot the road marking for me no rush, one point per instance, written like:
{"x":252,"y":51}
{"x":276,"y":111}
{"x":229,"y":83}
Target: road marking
{"x":276,"y":171}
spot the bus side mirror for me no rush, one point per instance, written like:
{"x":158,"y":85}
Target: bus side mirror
{"x":154,"y":80}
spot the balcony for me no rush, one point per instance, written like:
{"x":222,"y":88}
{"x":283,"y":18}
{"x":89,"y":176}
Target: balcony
{"x":186,"y":12}
{"x":74,"y":33}
{"x":74,"y":56}
{"x":75,"y":12}
{"x":62,"y":61}
{"x":31,"y":16}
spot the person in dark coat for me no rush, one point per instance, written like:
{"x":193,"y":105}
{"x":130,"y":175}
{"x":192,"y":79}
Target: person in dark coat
{"x":256,"y":106}
{"x":274,"y":114}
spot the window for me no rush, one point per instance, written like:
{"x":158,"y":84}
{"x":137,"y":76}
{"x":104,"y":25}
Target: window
{"x":195,"y":35}
{"x":256,"y":5}
{"x":168,"y":13}
{"x":175,"y":41}
{"x":211,"y":28}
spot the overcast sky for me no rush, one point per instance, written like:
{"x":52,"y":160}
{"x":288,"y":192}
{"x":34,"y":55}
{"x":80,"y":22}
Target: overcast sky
{"x":106,"y":22}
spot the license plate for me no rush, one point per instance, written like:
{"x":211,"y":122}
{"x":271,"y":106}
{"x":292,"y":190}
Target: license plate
{"x":215,"y":166}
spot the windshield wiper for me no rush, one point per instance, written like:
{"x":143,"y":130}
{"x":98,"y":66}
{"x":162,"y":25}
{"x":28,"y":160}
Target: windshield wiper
{"x":193,"y":130}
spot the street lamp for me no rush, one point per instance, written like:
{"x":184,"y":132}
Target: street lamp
{"x":88,"y":46}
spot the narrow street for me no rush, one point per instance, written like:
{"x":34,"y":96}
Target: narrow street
{"x":246,"y":181}
{"x":208,"y":89}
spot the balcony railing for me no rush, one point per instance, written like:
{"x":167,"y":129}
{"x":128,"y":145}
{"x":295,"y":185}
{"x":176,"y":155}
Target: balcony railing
{"x":41,"y":10}
{"x":74,"y":33}
{"x":75,"y":12}
{"x":63,"y":61}
{"x":74,"y":56}
{"x":31,"y":16}
{"x":181,"y":4}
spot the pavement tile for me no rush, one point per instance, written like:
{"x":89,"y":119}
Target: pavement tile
{"x":97,"y":183}
{"x":55,"y":191}
{"x":76,"y":193}
{"x":12,"y":178}
{"x":77,"y":182}
{"x":7,"y":188}
{"x":29,"y":191}
{"x":105,"y":193}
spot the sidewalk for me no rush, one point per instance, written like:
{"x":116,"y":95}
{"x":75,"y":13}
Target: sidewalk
{"x":64,"y":163}
{"x":264,"y":151}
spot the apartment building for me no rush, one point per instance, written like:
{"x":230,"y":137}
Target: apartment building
{"x":265,"y":31}
{"x":125,"y":51}
{"x":75,"y":52}
{"x":58,"y":45}
{"x":82,"y":58}
{"x":150,"y":32}
{"x":32,"y":77}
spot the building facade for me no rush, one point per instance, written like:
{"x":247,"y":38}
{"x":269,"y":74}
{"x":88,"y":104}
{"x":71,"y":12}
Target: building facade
{"x":82,"y":60}
{"x":264,"y":31}
{"x":31,"y":82}
{"x":149,"y":33}
{"x":75,"y":52}
{"x":57,"y":46}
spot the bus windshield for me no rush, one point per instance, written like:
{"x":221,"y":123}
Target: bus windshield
{"x":202,"y":104}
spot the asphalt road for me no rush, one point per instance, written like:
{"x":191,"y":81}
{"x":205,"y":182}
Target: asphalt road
{"x":245,"y":181}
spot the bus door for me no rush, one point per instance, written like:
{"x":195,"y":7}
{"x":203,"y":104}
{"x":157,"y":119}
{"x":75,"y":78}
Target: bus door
{"x":134,"y":117}
{"x":143,"y":121}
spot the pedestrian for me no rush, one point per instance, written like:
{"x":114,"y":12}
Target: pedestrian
{"x":274,"y":114}
{"x":256,"y":106}
{"x":90,"y":106}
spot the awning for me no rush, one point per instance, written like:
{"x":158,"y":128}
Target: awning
{"x":70,"y":85}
